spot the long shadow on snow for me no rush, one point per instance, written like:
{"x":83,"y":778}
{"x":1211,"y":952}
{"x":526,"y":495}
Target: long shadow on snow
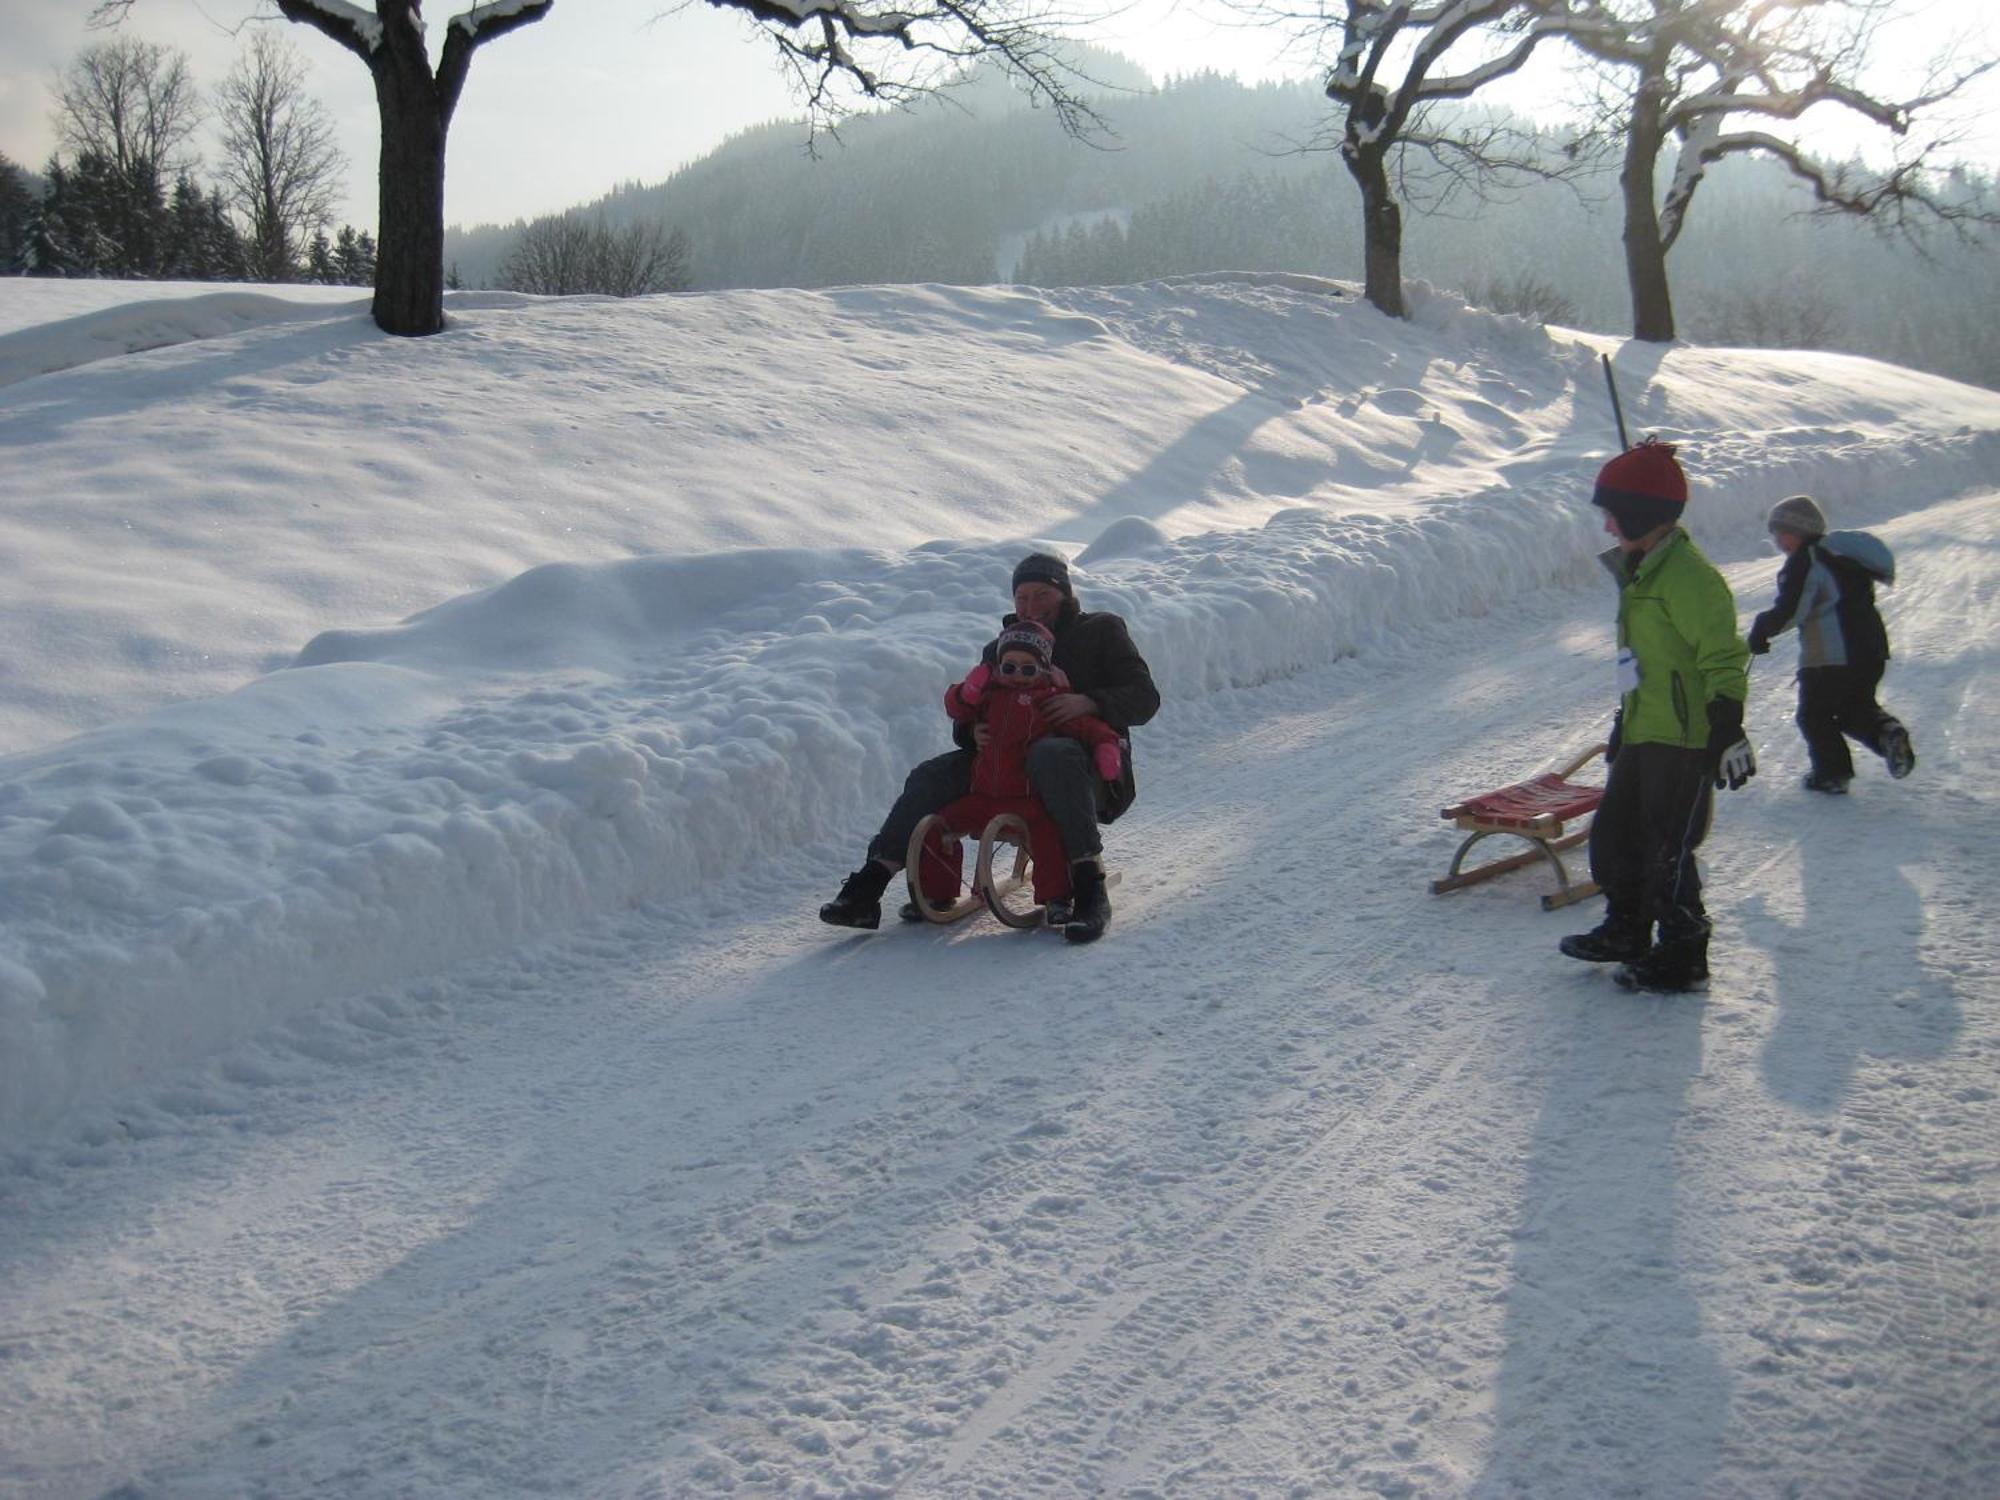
{"x":1845,"y":993}
{"x":1606,"y":1386}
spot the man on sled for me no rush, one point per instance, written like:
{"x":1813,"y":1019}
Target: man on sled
{"x":1107,"y":679}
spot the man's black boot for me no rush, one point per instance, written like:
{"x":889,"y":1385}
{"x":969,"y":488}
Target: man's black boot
{"x":1089,"y":906}
{"x":1613,"y":941}
{"x":859,"y":903}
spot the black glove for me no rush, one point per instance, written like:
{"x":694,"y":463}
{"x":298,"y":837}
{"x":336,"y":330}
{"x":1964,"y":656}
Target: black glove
{"x":1758,"y":644}
{"x":1616,"y":738}
{"x":1730,"y":757}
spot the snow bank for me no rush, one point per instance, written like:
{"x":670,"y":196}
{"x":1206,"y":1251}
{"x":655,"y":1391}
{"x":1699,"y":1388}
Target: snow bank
{"x":588,"y":735}
{"x":153,"y":323}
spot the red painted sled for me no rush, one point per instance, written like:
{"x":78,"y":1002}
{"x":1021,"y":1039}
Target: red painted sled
{"x":1538,"y":810}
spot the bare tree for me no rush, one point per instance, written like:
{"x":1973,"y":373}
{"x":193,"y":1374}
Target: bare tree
{"x":1524,"y":294}
{"x":567,"y":254}
{"x":834,"y":49}
{"x":1390,"y":70}
{"x":642,"y":259}
{"x":1690,"y":70}
{"x":280,"y":163}
{"x":1781,"y":314}
{"x":133,"y":103}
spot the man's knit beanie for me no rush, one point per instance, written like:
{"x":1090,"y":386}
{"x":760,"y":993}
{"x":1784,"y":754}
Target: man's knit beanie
{"x":1042,"y":567}
{"x":1643,"y":488}
{"x":1800,"y":516}
{"x":1026,"y":635}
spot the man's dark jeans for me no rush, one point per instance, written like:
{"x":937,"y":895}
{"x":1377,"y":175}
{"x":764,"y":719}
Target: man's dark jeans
{"x":1059,"y":770}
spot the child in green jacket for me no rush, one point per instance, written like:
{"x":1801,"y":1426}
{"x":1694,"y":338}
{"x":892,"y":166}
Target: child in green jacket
{"x":1682,"y":671}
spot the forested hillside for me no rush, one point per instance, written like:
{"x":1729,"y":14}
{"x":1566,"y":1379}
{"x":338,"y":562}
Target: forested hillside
{"x":1206,"y":173}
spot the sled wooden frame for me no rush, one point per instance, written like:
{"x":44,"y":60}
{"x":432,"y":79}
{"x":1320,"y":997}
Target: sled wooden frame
{"x":1000,"y":894}
{"x":1537,"y":810}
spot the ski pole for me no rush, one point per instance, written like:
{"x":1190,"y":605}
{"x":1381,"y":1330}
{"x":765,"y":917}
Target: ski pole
{"x":1617,"y":410}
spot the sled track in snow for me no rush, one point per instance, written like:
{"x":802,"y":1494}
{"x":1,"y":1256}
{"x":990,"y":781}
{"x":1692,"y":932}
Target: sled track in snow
{"x":1102,"y":1397}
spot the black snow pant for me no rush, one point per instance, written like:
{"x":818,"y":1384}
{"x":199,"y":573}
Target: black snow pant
{"x":1059,"y":769}
{"x":1837,"y":704}
{"x":1655,"y":813}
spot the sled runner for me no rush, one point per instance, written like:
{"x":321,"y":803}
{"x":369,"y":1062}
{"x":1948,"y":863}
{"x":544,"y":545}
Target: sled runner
{"x":935,"y":868}
{"x":1537,"y":810}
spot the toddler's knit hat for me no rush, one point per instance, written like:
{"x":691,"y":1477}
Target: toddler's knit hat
{"x":1026,"y":635}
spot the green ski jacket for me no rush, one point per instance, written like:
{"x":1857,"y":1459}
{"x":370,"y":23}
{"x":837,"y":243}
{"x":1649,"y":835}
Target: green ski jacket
{"x":1677,"y":617}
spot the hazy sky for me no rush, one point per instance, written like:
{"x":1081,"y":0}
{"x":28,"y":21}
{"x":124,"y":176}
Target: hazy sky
{"x":609,"y":91}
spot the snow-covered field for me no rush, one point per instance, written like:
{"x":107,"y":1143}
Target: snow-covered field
{"x":421,"y":1072}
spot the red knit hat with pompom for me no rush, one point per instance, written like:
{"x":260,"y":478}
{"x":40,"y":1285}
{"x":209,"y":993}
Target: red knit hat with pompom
{"x":1644,"y":487}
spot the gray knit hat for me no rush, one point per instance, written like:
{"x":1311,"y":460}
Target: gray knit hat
{"x":1800,"y":516}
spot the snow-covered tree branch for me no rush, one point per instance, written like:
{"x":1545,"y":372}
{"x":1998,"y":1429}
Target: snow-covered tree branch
{"x":835,"y":49}
{"x":1687,"y":68}
{"x":1393,"y":39}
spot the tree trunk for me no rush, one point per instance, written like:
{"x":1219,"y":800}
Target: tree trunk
{"x":1381,"y":229}
{"x":409,"y":256}
{"x":1645,"y":250}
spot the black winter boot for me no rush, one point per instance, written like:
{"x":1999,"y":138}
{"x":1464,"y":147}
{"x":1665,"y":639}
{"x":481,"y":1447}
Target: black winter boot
{"x":859,"y":903}
{"x":1612,"y":941}
{"x":1671,"y":968}
{"x":1896,"y":750}
{"x":1089,"y":907}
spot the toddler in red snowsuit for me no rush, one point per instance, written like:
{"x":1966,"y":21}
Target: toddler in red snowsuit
{"x":1007,"y":698}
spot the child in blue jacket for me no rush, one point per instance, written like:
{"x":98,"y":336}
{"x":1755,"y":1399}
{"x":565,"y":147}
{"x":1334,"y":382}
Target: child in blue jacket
{"x":1827,"y":589}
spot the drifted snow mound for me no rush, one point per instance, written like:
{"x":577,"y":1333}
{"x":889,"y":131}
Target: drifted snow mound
{"x":158,"y":323}
{"x":1130,"y":536}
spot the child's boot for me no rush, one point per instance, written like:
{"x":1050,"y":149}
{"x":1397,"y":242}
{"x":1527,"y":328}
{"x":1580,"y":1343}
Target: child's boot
{"x":1673,"y":966}
{"x":1896,"y":749}
{"x":1618,"y":939}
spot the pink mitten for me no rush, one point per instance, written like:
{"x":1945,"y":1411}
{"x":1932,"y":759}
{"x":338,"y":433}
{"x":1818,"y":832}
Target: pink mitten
{"x":973,"y":688}
{"x":1109,"y":762}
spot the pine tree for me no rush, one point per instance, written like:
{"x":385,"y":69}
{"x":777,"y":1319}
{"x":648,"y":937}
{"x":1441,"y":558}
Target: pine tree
{"x":183,"y":254}
{"x":319,"y":260}
{"x":47,"y":252}
{"x":227,"y":257}
{"x":17,"y":205}
{"x":353,"y":257}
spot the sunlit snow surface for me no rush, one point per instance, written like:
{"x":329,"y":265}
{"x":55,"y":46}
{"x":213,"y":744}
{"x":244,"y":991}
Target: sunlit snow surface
{"x":421,"y":1072}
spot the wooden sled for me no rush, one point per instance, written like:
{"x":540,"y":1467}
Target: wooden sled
{"x":1537,"y":810}
{"x":934,"y":865}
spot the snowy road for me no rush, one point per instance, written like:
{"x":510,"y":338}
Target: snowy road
{"x":1301,"y":1183}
